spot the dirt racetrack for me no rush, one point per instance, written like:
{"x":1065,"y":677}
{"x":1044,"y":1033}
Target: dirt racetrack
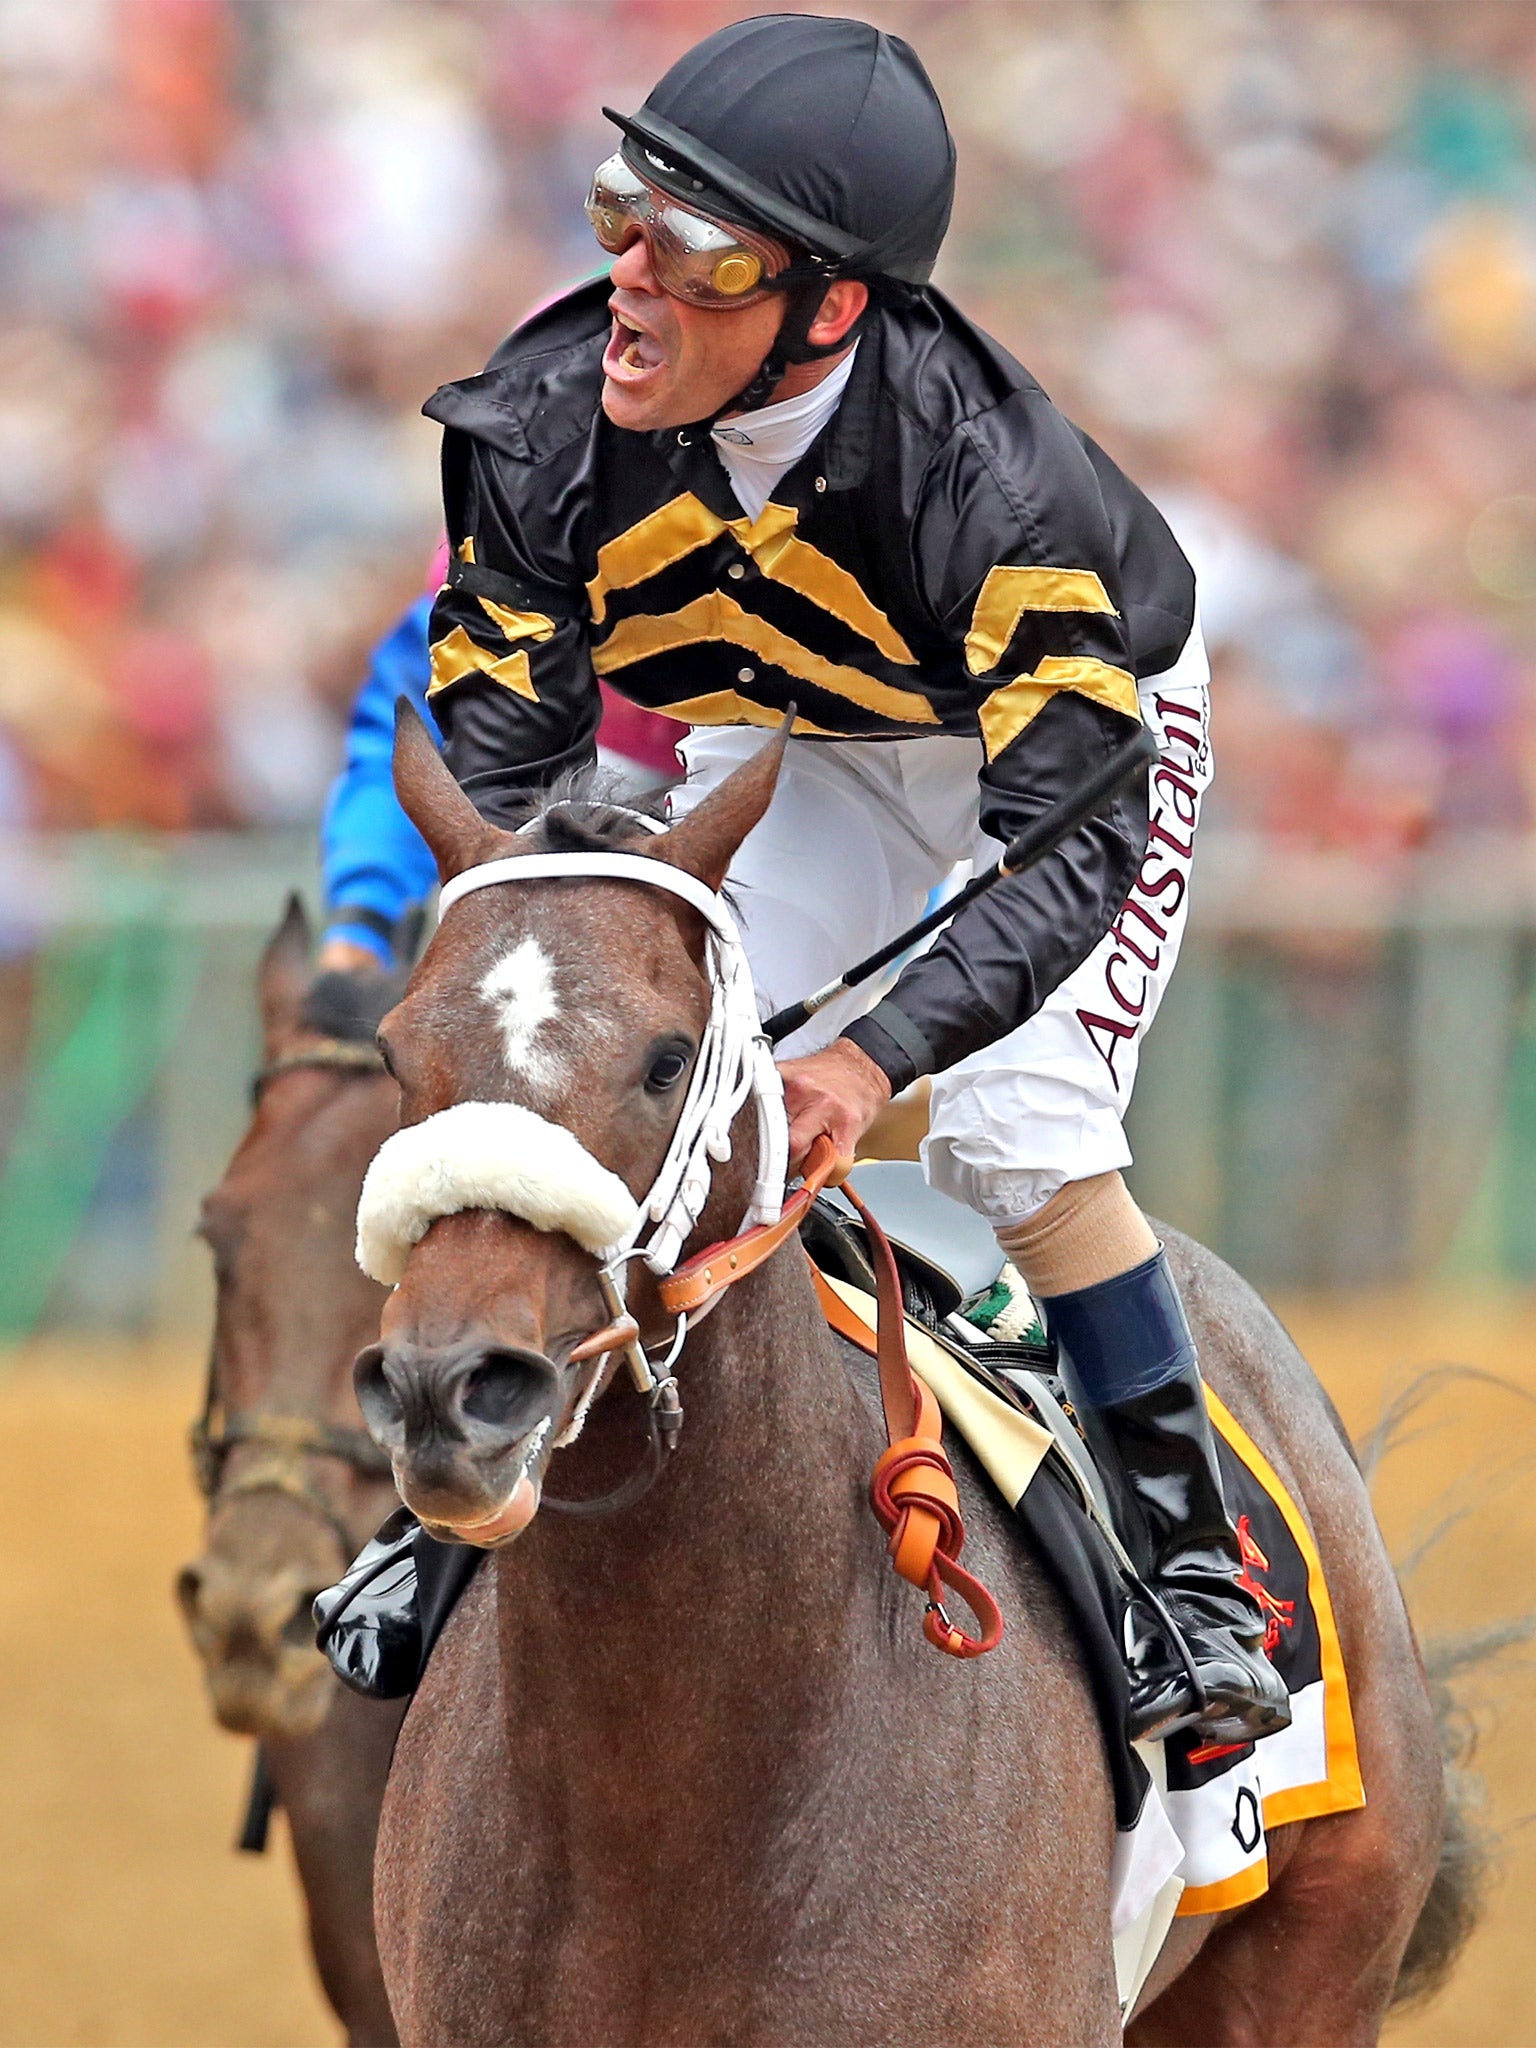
{"x":126,"y":1921}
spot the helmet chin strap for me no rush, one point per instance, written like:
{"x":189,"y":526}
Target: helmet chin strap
{"x":802,"y":304}
{"x":791,"y":346}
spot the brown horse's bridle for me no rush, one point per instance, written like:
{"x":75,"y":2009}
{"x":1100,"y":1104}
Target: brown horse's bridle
{"x":286,"y":1443}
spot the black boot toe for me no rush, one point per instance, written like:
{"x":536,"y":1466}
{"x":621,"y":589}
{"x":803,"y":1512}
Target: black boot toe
{"x":1245,"y":1695}
{"x":1162,"y":1707}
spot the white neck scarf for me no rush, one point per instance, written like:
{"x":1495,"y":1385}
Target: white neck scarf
{"x":757,"y":448}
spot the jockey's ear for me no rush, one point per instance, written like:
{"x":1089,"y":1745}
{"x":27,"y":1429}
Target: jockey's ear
{"x":283,"y":976}
{"x":434,"y":802}
{"x":705,"y":842}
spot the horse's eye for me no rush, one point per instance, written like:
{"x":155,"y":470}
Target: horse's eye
{"x":667,"y":1069}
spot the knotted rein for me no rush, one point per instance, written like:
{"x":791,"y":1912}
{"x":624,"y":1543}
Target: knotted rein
{"x":435,"y":1168}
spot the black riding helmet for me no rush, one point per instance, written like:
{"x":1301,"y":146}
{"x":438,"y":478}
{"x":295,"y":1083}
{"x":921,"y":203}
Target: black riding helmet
{"x":824,"y":133}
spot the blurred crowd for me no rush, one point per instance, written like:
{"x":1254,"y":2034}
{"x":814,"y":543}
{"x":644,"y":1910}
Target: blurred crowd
{"x":1280,"y":259}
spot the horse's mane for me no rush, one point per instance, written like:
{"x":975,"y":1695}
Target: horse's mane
{"x":586,"y":810}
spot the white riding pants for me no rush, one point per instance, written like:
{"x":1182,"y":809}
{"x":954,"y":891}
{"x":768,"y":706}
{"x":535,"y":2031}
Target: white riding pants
{"x":857,"y":837}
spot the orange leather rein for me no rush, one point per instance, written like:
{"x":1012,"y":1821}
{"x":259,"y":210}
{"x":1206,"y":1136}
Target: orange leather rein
{"x":913,"y":1491}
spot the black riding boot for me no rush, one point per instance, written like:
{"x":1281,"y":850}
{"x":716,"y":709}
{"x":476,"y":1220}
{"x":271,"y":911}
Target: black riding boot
{"x":377,"y":1625}
{"x":1129,"y":1361}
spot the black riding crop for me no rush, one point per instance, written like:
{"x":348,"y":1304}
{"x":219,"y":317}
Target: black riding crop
{"x":1031,"y":845}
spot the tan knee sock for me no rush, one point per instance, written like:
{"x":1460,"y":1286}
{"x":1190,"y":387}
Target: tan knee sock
{"x":1090,"y":1230}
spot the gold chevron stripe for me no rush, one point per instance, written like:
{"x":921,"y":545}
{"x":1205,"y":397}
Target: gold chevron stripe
{"x":654,"y":543}
{"x":1007,"y":711}
{"x":724,"y":707}
{"x":456,"y":656}
{"x":686,"y":522}
{"x":714,"y":616}
{"x":1009,"y":592}
{"x":518,"y":625}
{"x":773,"y":544}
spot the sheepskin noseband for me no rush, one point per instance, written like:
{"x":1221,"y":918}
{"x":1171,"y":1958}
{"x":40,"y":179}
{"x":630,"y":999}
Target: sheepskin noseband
{"x":486,"y":1155}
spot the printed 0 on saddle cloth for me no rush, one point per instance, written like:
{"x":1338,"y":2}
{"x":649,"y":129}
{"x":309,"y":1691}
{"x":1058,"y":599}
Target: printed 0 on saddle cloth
{"x":1222,"y":1799}
{"x":1192,"y":1819}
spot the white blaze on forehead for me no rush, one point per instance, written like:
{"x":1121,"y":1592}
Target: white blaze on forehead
{"x":521,"y":990}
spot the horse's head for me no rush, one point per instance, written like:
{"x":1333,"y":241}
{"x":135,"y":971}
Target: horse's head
{"x":294,"y":1483}
{"x":557,"y":1022}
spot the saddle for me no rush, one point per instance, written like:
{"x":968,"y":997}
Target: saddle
{"x":1191,"y":1819}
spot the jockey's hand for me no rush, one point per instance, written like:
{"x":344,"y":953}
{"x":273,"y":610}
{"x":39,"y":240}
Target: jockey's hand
{"x":835,"y":1093}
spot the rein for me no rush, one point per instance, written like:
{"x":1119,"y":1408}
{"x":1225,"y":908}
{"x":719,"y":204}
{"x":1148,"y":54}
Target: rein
{"x":913,"y":1491}
{"x":346,"y":1055}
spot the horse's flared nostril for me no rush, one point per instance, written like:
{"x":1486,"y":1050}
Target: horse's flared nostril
{"x":382,"y":1406}
{"x":447,"y":1417}
{"x":506,"y":1393}
{"x":299,"y":1628}
{"x":189,"y":1587}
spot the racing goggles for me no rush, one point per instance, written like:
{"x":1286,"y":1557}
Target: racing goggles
{"x":694,"y":258}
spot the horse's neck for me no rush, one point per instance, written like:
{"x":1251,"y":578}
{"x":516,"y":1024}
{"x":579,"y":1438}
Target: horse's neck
{"x":775,"y":1454}
{"x":717,"y":1633}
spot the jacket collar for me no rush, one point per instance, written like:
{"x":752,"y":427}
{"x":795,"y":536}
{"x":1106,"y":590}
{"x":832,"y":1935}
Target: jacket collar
{"x":848,"y":443}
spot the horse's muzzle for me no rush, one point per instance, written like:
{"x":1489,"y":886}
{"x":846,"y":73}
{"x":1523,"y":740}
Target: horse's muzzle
{"x":463,"y":1426}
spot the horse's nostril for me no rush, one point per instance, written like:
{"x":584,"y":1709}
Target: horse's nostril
{"x":505,"y":1390}
{"x":299,"y":1628}
{"x":189,"y":1586}
{"x":382,"y":1408}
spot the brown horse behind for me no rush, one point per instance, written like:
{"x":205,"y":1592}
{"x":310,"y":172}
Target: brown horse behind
{"x":691,"y":1775}
{"x":295,"y":1485}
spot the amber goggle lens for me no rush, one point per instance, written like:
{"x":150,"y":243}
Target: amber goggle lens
{"x":694,"y":258}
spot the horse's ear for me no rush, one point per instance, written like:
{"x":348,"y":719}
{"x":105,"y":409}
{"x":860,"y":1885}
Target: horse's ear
{"x":434,"y":802}
{"x":283,"y":976}
{"x":705,"y":842}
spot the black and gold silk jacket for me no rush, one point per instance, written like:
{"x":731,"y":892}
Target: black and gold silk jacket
{"x":950,"y":556}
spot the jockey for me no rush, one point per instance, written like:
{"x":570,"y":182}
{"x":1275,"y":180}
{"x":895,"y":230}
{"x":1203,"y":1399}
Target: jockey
{"x":764,"y":463}
{"x":375,"y":863}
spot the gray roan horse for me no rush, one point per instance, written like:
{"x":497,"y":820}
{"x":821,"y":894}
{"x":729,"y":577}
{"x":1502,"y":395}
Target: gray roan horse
{"x":690,"y":1774}
{"x":295,"y":1485}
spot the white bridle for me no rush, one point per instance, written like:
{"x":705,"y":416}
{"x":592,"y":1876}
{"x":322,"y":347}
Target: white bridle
{"x":503,"y":1156}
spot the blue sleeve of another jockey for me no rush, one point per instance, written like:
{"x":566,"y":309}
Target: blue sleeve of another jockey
{"x":376,"y":864}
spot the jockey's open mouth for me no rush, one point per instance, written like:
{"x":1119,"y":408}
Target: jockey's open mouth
{"x":633,"y":352}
